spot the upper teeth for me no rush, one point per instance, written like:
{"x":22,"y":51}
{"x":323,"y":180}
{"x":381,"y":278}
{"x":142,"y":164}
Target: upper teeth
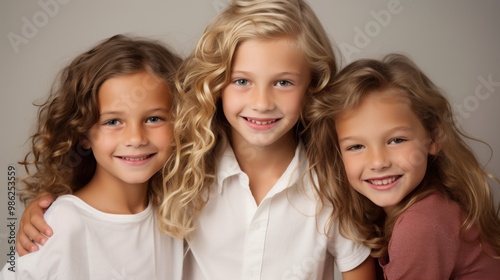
{"x":384,"y":181}
{"x":135,"y":159}
{"x":260,"y":123}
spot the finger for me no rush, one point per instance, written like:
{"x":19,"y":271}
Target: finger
{"x":33,"y":235}
{"x":32,"y":226}
{"x":40,"y":226}
{"x":20,"y":249}
{"x":24,"y":245}
{"x":45,"y":200}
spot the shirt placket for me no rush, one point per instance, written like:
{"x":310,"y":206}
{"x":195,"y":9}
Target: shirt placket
{"x":255,"y":241}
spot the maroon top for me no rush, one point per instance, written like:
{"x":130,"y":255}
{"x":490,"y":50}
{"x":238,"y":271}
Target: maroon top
{"x":426,"y":244}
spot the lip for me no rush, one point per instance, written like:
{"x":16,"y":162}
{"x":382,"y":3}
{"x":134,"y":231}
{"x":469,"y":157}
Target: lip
{"x":261,"y":123}
{"x":136,"y":160}
{"x":383,"y":183}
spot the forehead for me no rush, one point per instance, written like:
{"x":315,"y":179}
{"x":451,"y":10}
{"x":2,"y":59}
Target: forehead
{"x":356,"y":99}
{"x":378,"y":110}
{"x":388,"y":95}
{"x":133,"y":91}
{"x":270,"y":55}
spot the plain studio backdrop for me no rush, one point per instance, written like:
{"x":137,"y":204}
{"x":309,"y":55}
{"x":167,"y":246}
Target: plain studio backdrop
{"x":456,"y":42}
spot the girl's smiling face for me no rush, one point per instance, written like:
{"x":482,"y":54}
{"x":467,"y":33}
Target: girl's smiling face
{"x":264,"y":99}
{"x":384,"y":147}
{"x":133,"y":136}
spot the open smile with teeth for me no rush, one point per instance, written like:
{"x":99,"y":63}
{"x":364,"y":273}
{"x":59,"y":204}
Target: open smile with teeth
{"x":261,"y":122}
{"x":384,"y":181}
{"x":136,"y":158}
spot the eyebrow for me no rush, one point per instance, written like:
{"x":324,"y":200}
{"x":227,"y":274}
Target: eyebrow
{"x":157,"y":109}
{"x":277,"y":74}
{"x":397,"y":128}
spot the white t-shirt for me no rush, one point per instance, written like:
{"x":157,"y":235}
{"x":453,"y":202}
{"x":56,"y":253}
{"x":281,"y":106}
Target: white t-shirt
{"x":282,"y":238}
{"x":89,"y":244}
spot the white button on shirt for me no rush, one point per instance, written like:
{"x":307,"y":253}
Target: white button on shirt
{"x":282,"y":238}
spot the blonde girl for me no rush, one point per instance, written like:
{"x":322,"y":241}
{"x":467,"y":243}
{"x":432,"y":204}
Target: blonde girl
{"x":406,"y":179}
{"x":102,"y":138}
{"x":239,"y":189}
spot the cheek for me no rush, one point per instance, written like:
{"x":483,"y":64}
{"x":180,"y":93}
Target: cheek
{"x":229,"y":104}
{"x":352,"y":168}
{"x":413,"y":159}
{"x":295,"y":110}
{"x":292,"y":106}
{"x":163,"y":139}
{"x":95,"y":137}
{"x":165,"y":131}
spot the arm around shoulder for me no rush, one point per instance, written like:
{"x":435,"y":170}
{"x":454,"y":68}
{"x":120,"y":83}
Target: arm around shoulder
{"x":32,"y":226}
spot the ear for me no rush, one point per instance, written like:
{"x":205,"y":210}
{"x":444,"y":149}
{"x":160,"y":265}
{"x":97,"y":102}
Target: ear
{"x":437,"y":139}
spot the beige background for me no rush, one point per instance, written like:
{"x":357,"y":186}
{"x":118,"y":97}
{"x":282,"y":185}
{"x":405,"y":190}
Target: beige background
{"x":457,"y":42}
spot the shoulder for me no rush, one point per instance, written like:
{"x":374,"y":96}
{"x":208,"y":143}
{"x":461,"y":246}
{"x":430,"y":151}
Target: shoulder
{"x":434,"y":220}
{"x":432,"y":210}
{"x":65,"y":214}
{"x":67,"y":243}
{"x":66,"y":204}
{"x":425,"y":240}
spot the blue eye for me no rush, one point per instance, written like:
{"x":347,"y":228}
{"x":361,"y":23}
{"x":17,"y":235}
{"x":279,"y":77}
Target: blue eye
{"x":396,"y":140}
{"x":241,"y":82}
{"x":154,"y":119}
{"x":354,"y":147}
{"x":112,"y":122}
{"x":283,"y":83}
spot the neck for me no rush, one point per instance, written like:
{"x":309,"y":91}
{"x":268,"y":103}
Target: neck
{"x":113,"y":197}
{"x":261,"y":158}
{"x":264,"y":165}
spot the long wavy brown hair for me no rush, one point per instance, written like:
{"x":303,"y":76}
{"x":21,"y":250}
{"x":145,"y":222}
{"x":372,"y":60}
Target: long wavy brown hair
{"x":454,"y":171}
{"x":57,"y":163}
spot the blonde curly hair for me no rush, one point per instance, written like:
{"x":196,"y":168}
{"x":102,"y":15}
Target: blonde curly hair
{"x":202,"y":131}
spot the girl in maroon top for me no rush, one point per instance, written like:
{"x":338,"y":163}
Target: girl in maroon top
{"x":404,"y":177}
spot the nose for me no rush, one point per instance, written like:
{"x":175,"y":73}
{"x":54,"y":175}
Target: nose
{"x":262,"y":99}
{"x":134,"y":135}
{"x":378,"y":159}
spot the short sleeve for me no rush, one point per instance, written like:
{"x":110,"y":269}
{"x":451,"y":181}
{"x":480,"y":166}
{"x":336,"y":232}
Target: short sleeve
{"x":347,"y":253}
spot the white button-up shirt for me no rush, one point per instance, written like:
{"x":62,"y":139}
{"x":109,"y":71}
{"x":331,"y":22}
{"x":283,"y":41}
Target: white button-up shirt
{"x":282,"y":238}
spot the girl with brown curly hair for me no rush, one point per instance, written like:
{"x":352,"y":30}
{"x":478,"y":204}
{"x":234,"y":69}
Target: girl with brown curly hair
{"x":102,"y":139}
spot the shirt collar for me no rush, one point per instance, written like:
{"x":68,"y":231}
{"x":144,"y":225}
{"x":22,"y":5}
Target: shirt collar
{"x":228,"y":166}
{"x":297,"y":169}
